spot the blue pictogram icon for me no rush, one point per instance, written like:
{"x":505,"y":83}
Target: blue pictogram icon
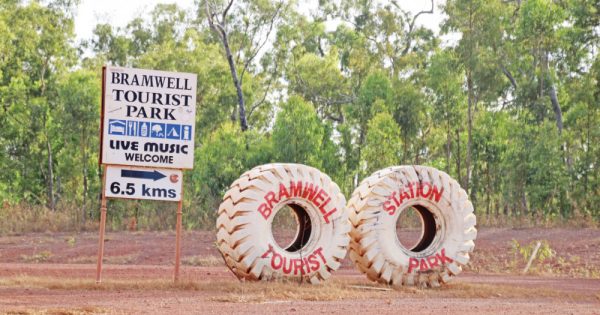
{"x":132,"y":128}
{"x":173,"y":131}
{"x":144,"y":129}
{"x":117,"y":127}
{"x":157,"y":130}
{"x":186,"y":132}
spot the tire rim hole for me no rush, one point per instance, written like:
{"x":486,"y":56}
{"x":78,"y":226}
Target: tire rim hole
{"x":416,"y":228}
{"x":289,"y":217}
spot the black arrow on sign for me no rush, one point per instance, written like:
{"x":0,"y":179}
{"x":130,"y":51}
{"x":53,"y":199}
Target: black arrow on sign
{"x":155,"y":175}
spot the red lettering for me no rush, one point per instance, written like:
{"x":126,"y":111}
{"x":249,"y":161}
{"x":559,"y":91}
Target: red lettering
{"x":404,"y":196}
{"x":322,"y":206}
{"x":412,"y":263}
{"x":428,"y":185}
{"x":424,"y":265}
{"x":270,"y":198}
{"x":412,"y":192}
{"x":281,"y":261}
{"x":283,"y":192}
{"x":324,"y":212}
{"x":314,"y":263}
{"x":298,"y":265}
{"x":395,"y":200}
{"x":389,"y":207}
{"x":442,"y":257}
{"x":310,"y":191}
{"x":320,"y":196}
{"x":302,"y":265}
{"x":318,"y":252}
{"x":436,"y":194}
{"x":430,"y":262}
{"x":264,"y":210}
{"x":326,"y":215}
{"x":287,"y":268}
{"x":433,"y":261}
{"x":296,"y":190}
{"x":305,"y":264}
{"x":266,"y":254}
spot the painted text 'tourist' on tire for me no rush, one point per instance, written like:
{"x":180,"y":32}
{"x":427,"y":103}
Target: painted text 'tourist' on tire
{"x":447,"y":221}
{"x":245,"y":223}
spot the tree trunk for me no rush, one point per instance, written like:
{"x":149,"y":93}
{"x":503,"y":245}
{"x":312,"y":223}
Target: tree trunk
{"x":587,"y":157}
{"x":361,"y":140}
{"x":85,"y":182}
{"x":458,"y":155}
{"x":509,"y":76}
{"x":488,"y":191}
{"x":556,"y":108}
{"x":551,"y":92}
{"x":236,"y":82}
{"x":448,"y":144}
{"x":469,"y":131}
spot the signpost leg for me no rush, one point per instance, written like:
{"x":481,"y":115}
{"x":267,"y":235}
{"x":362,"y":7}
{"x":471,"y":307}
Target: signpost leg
{"x":178,"y":240}
{"x":102,"y":228}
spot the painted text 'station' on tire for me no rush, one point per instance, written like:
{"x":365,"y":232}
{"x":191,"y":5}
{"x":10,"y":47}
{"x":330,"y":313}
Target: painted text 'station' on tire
{"x":447,"y":226}
{"x":245,"y":223}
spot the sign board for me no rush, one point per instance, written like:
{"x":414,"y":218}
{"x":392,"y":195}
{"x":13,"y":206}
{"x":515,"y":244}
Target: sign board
{"x":148,"y":118}
{"x":143,"y":183}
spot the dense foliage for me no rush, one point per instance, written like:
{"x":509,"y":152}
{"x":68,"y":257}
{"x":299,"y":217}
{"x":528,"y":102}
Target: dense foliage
{"x":511,"y":108}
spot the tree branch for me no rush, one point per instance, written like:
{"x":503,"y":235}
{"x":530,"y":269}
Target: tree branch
{"x":224,"y":15}
{"x":411,"y":26}
{"x":257,"y":50}
{"x":509,"y":76}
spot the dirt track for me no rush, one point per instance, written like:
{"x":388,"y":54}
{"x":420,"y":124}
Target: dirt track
{"x":65,"y":258}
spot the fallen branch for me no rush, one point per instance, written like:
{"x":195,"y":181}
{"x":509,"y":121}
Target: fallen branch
{"x":537,"y":247}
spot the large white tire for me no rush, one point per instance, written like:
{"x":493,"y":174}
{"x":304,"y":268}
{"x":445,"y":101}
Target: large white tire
{"x":448,"y":226}
{"x":244,"y":224}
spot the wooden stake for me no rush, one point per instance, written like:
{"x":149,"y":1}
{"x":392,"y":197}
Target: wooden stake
{"x":102,"y":228}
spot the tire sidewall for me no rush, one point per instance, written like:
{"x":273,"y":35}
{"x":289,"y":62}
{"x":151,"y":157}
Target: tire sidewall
{"x":450,"y":211}
{"x":319,"y":256}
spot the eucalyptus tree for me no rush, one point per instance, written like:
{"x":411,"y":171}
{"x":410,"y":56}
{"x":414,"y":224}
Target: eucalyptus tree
{"x":77,"y":118}
{"x":38,"y":52}
{"x":482,"y":26}
{"x":243,"y":28}
{"x":297,"y":133}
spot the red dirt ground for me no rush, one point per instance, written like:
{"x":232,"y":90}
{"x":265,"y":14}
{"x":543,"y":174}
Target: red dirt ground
{"x":561,"y":281}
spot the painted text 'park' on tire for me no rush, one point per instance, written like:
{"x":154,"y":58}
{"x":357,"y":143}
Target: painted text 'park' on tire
{"x":447,"y":221}
{"x":245,"y":224}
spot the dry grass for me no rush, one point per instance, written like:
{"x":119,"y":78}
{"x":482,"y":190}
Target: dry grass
{"x":577,"y":220}
{"x":479,"y":290}
{"x":25,"y":218}
{"x":286,"y":291}
{"x":59,"y":311}
{"x":203,"y":261}
{"x":258,"y":292}
{"x":90,"y":284}
{"x":554,"y":264}
{"x":84,"y":259}
{"x":40,"y":257}
{"x":113,"y":260}
{"x":336,"y":290}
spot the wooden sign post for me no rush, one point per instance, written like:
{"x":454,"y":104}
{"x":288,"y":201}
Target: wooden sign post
{"x":178,"y":240}
{"x":147,"y":140}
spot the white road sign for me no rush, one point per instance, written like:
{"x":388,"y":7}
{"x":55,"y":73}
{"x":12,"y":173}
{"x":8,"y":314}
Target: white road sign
{"x":143,"y":183}
{"x":148,"y":118}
